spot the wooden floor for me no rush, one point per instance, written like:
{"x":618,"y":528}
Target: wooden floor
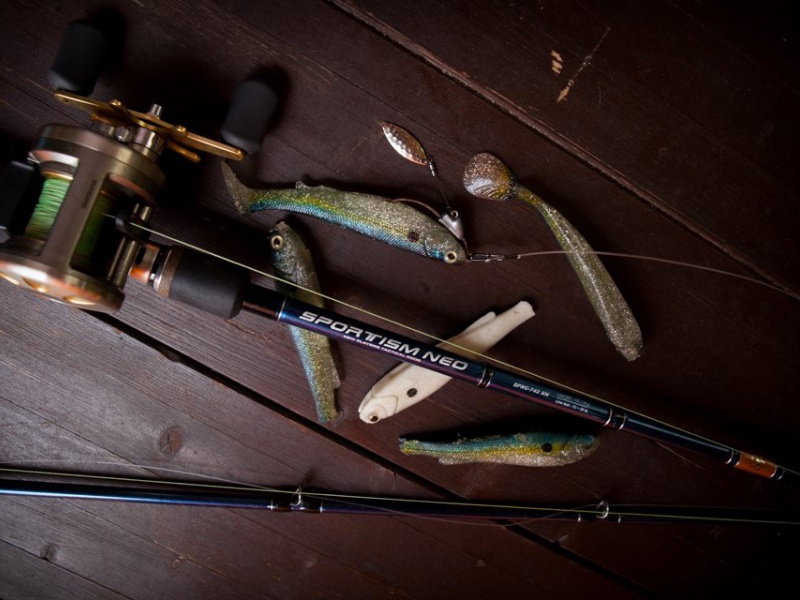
{"x":667,"y":129}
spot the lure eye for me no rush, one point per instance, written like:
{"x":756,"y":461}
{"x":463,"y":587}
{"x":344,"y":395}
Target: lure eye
{"x":413,"y":236}
{"x":547,"y":447}
{"x":276,"y":242}
{"x":450,"y":257}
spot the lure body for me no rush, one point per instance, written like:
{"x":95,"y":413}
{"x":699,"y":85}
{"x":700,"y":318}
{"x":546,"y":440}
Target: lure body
{"x":291,"y":261}
{"x":488,"y":177}
{"x":535,"y":449}
{"x":606,"y":299}
{"x":393,"y":223}
{"x":407,"y":384}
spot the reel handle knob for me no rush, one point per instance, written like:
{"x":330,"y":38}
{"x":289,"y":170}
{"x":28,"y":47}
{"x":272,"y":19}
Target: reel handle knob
{"x":80,"y":58}
{"x":253,"y":104}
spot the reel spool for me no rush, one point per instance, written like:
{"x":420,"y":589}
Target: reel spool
{"x":74,"y":246}
{"x":67,"y":211}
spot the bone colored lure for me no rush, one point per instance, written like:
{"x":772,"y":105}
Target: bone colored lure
{"x":537,"y":449}
{"x":407,"y":384}
{"x":393,"y":223}
{"x":488,"y":177}
{"x":291,"y":260}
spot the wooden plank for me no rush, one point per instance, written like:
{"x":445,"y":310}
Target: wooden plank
{"x":123,"y":418}
{"x":27,"y":576}
{"x":666,"y":99}
{"x":713,"y":347}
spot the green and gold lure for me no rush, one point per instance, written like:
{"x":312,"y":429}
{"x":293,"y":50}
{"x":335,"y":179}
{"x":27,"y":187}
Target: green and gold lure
{"x":529,"y":449}
{"x":291,"y":262}
{"x":391,"y":222}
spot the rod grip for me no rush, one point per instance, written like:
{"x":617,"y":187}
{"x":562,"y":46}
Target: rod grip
{"x":202,"y":281}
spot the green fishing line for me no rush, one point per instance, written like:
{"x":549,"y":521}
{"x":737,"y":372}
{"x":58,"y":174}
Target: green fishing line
{"x":54,"y":191}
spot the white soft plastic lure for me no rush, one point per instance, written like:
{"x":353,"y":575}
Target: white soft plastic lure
{"x":407,"y":384}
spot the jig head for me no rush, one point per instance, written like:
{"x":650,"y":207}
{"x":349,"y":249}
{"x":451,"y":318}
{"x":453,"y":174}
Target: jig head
{"x":410,"y":148}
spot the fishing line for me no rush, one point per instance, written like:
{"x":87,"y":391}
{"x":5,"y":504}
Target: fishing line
{"x":225,"y":484}
{"x":659,"y":260}
{"x":48,"y":206}
{"x":438,"y":339}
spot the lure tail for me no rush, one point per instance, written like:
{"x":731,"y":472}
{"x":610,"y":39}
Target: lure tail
{"x":486,"y":176}
{"x":239,"y":191}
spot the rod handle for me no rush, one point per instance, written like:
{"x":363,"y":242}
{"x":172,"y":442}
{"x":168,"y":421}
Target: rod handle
{"x":194,"y":278}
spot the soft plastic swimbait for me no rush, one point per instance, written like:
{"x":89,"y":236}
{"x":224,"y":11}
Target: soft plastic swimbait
{"x":407,"y":384}
{"x":537,"y":449}
{"x":291,"y":261}
{"x":392,"y":222}
{"x":486,"y":176}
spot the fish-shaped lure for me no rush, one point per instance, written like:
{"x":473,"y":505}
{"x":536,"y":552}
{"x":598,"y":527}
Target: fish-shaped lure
{"x":486,"y":176}
{"x":407,"y":384}
{"x":532,"y":449}
{"x":392,"y":222}
{"x":291,"y":261}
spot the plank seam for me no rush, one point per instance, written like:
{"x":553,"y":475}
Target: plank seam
{"x":517,"y":113}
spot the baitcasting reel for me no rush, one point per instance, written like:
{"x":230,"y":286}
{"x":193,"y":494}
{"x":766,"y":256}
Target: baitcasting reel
{"x":66,"y":212}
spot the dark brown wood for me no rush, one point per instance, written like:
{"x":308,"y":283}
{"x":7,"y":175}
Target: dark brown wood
{"x":675,"y":140}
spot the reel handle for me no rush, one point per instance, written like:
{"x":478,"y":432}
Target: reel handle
{"x":252,"y":106}
{"x":79,"y":59}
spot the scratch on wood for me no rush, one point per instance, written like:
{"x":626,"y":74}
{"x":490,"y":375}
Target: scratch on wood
{"x":558,"y":62}
{"x":586,"y":62}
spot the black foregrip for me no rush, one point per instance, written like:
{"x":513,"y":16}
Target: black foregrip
{"x":204,"y":282}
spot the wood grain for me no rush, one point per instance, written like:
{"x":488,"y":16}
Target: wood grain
{"x":674,"y":140}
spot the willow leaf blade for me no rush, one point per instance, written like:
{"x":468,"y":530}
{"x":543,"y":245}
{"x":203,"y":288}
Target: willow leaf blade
{"x":405,"y":144}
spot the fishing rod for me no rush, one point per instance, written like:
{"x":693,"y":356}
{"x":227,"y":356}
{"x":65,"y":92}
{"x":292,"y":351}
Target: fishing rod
{"x":224,"y":289}
{"x":302,"y":501}
{"x":60,"y":243}
{"x":63,"y":245}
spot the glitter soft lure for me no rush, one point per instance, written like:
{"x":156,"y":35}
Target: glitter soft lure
{"x":532,"y":449}
{"x":392,"y":222}
{"x":486,"y":176}
{"x":291,"y":262}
